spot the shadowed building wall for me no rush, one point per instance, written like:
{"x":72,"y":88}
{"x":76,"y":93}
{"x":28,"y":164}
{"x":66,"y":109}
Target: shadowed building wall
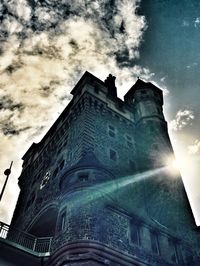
{"x":80,"y":185}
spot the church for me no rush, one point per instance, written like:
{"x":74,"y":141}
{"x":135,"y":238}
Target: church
{"x":99,"y":188}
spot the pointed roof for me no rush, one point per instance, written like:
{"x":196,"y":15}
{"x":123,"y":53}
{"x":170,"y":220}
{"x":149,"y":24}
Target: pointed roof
{"x":140,"y":85}
{"x":86,"y":76}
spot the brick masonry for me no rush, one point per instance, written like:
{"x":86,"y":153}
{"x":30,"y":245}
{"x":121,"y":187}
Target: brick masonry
{"x":79,"y":180}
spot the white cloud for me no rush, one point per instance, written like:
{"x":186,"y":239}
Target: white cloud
{"x":195,"y":147}
{"x":197,"y":22}
{"x":19,"y":8}
{"x":182,"y":119}
{"x":163,"y":79}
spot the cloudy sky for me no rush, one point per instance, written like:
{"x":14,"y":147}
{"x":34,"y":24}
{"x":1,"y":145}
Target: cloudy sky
{"x":46,"y":46}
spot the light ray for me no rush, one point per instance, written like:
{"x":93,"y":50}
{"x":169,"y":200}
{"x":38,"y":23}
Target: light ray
{"x":89,"y":194}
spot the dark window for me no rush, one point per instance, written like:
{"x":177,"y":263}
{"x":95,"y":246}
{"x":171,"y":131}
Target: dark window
{"x":172,"y":246}
{"x":113,"y":155}
{"x":62,"y":221}
{"x":62,"y":164}
{"x":83,"y":177}
{"x":101,"y":107}
{"x":111,"y":131}
{"x":96,"y":90}
{"x":95,"y":104}
{"x":154,"y":242}
{"x":129,"y":141}
{"x":55,"y":172}
{"x":63,"y":216}
{"x":90,"y":101}
{"x":135,"y":233}
{"x":143,"y":92}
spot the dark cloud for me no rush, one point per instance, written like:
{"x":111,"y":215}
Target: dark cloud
{"x":9,"y":129}
{"x":6,"y":103}
{"x":13,"y":67}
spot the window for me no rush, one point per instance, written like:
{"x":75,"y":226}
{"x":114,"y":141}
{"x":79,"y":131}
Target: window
{"x":96,"y":90}
{"x":154,"y":242}
{"x":129,"y":141}
{"x":135,"y":233}
{"x":95,"y":104}
{"x":113,"y":155}
{"x":55,"y":172}
{"x":172,"y":246}
{"x":62,"y":221}
{"x":83,"y":177}
{"x":111,"y":131}
{"x":62,"y":164}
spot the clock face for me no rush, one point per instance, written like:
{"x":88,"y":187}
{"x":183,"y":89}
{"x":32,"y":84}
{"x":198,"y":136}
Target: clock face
{"x":45,"y":179}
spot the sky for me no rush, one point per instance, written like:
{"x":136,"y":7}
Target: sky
{"x":47,"y":45}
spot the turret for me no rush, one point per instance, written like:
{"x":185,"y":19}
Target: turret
{"x":146,"y":101}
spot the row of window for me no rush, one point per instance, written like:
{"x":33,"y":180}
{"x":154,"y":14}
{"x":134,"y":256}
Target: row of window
{"x":112,"y":132}
{"x":114,"y":156}
{"x":136,"y":238}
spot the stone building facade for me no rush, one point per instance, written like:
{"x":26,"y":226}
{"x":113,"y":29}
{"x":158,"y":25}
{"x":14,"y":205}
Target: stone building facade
{"x":100,"y":185}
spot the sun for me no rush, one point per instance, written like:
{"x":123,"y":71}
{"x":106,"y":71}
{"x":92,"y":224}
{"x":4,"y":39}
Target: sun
{"x":176,"y":165}
{"x":173,"y":165}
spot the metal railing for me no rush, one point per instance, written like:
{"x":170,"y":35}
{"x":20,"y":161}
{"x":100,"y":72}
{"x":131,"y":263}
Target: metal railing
{"x":25,"y":240}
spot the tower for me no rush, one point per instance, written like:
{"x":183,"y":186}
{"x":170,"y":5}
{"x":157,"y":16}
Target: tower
{"x":95,"y":179}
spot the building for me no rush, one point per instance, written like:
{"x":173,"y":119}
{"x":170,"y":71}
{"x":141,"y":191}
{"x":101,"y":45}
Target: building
{"x":98,"y":188}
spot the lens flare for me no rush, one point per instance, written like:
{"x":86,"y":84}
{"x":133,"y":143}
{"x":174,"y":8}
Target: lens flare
{"x":173,"y":166}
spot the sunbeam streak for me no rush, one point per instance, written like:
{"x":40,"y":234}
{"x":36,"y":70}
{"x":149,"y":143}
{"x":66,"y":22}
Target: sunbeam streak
{"x":91,"y":194}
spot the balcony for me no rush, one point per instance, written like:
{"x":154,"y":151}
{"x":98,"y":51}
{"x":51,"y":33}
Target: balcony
{"x":40,"y":246}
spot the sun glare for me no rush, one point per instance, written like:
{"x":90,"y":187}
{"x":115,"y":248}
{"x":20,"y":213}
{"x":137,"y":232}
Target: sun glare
{"x":173,"y":165}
